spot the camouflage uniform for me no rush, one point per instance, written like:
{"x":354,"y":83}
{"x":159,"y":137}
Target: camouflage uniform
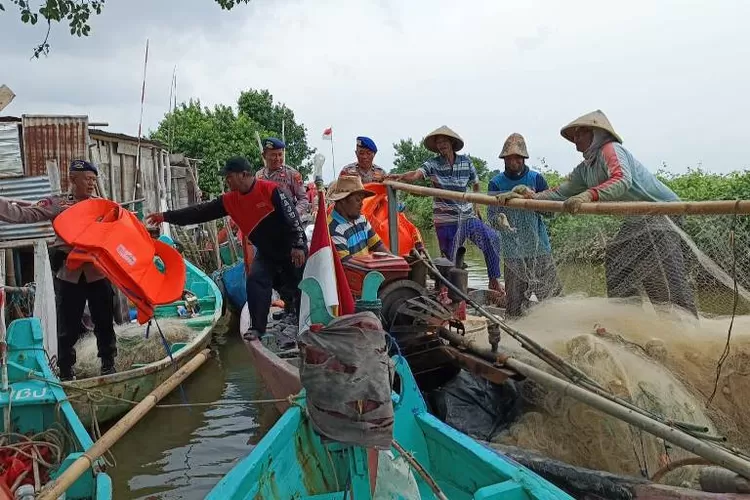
{"x":290,"y":182}
{"x":19,"y":214}
{"x":365,"y":175}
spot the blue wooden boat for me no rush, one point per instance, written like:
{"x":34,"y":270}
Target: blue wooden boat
{"x":292,"y":461}
{"x":35,"y":407}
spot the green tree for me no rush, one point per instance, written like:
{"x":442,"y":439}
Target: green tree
{"x":211,"y":135}
{"x":481,"y":167}
{"x":215,"y":135}
{"x":75,"y":12}
{"x":409,"y":156}
{"x":258,"y":105}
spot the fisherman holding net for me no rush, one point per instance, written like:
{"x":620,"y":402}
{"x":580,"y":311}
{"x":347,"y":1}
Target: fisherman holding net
{"x":647,"y":250}
{"x":456,"y":220}
{"x":527,"y":255}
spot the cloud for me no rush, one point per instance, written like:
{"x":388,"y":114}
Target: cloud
{"x":669,"y":75}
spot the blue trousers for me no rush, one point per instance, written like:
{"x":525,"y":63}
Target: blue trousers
{"x":452,"y":236}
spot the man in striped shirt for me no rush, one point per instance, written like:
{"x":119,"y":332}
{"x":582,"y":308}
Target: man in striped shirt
{"x":351,"y":233}
{"x":455,"y":221}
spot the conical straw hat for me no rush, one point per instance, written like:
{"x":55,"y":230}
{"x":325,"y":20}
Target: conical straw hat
{"x":595,"y":119}
{"x":429,"y":141}
{"x":514,"y":145}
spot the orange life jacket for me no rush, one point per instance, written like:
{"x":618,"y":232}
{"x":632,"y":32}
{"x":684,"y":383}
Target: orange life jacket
{"x":117,"y":243}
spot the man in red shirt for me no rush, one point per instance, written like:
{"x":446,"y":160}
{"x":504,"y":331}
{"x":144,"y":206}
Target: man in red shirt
{"x":264,"y":213}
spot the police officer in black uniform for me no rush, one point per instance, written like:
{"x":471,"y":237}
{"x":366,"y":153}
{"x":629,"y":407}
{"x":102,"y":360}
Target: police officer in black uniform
{"x":73,"y":288}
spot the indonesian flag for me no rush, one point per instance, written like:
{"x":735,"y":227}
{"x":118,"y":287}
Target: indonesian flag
{"x":324,"y":266}
{"x":328,"y":134}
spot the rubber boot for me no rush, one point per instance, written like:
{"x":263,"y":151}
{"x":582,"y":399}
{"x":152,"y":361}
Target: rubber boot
{"x":67,"y":374}
{"x":108,"y":366}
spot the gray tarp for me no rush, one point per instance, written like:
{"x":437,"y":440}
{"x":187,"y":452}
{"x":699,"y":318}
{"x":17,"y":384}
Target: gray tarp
{"x":348,"y":376}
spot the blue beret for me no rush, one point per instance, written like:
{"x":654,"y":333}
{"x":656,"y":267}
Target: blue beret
{"x":367,"y":143}
{"x":82,"y":166}
{"x":271,"y":143}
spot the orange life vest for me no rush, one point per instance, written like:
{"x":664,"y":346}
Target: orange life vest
{"x":117,"y":243}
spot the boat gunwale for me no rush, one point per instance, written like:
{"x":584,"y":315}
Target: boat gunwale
{"x":195,"y":345}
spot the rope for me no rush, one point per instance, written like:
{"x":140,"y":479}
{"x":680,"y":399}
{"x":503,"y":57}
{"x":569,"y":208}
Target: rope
{"x":736,"y":296}
{"x":672,"y":465}
{"x":97,"y":395}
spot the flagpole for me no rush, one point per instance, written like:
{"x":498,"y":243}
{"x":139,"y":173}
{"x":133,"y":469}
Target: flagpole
{"x":333,"y":157}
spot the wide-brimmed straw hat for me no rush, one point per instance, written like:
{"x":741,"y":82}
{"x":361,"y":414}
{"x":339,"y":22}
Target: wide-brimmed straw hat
{"x":347,"y":185}
{"x":595,"y":119}
{"x":514,"y":145}
{"x":429,"y":141}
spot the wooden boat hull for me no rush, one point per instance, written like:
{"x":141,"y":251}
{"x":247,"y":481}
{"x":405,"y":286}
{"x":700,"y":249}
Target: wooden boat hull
{"x":282,"y":380}
{"x":314,"y":469}
{"x":37,"y":404}
{"x":110,"y":396}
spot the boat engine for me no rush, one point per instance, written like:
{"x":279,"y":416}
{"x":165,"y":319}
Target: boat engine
{"x":413,"y":313}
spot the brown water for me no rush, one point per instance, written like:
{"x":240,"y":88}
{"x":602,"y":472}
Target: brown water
{"x":180,"y":453}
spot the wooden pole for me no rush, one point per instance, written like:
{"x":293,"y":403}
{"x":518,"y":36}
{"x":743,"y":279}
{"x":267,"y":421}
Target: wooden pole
{"x":595,"y":208}
{"x":86,"y":461}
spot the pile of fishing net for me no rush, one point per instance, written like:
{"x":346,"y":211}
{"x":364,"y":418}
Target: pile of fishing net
{"x":132,"y":346}
{"x":664,"y":363}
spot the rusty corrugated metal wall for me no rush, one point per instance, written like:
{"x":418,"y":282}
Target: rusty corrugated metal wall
{"x":59,"y":138}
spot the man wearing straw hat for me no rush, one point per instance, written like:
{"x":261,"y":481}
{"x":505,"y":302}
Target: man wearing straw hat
{"x":351,"y":233}
{"x":528,"y":267}
{"x":647,"y":250}
{"x":456,"y":220}
{"x":364,"y":166}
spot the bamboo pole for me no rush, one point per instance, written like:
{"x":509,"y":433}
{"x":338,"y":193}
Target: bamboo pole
{"x":594,"y":208}
{"x":86,"y":461}
{"x":715,"y":454}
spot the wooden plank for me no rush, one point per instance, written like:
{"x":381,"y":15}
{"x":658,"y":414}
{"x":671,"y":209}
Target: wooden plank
{"x":116,"y":175}
{"x":126,"y":148}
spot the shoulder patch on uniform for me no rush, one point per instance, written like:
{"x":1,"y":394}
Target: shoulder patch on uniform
{"x":44,"y":202}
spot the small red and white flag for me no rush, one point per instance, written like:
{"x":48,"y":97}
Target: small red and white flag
{"x":328,"y":134}
{"x":324,"y":266}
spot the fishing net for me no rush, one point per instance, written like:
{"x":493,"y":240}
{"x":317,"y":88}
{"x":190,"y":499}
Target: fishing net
{"x":132,"y":346}
{"x":348,"y":376}
{"x":644,"y":305}
{"x":44,"y":299}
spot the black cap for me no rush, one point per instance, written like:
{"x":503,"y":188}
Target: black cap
{"x":236,"y":164}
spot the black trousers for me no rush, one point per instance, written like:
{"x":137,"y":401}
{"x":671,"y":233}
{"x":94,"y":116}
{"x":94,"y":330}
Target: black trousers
{"x":70,"y":299}
{"x":647,"y":254}
{"x":265,"y":276}
{"x":524,"y":276}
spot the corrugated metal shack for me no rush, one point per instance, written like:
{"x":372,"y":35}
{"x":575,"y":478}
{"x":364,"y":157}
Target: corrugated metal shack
{"x":36,"y":150}
{"x":32,"y":145}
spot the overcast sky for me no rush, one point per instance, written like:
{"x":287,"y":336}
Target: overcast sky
{"x":673,"y":76}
